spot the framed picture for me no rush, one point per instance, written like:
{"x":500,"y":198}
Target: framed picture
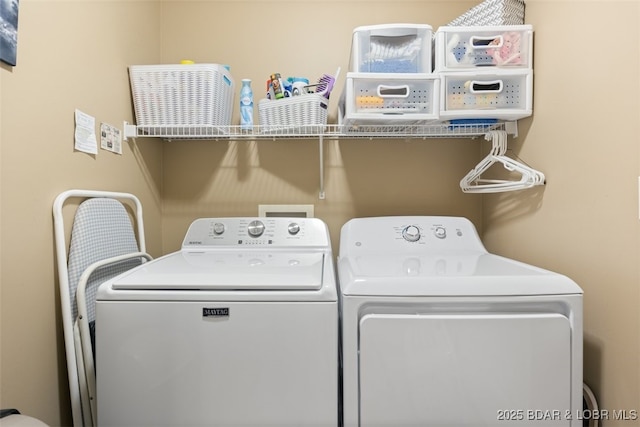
{"x":8,"y":31}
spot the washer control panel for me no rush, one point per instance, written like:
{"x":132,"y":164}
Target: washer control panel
{"x":408,"y":234}
{"x":256,"y":232}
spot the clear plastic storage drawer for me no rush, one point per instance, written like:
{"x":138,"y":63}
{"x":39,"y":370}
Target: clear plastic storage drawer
{"x":460,"y":48}
{"x":391,"y":48}
{"x":390,"y":99}
{"x":505,"y":95}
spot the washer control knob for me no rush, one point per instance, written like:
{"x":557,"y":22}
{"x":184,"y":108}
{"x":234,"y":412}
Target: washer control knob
{"x":411,"y":233}
{"x":440,"y":232}
{"x":255,"y":228}
{"x":294,"y":228}
{"x":218,"y":228}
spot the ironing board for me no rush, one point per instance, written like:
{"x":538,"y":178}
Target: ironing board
{"x":102,"y":244}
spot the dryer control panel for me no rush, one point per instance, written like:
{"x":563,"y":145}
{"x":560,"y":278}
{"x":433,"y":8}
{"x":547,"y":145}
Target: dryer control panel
{"x":256,"y":233}
{"x":405,"y":234}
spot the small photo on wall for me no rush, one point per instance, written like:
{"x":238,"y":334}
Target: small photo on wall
{"x":8,"y":31}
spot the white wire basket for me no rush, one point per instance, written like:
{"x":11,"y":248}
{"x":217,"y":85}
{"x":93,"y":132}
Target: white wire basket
{"x":302,"y":114}
{"x":492,"y":12}
{"x":178,"y":95}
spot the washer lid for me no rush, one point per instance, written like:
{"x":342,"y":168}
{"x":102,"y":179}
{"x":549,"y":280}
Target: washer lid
{"x":450,"y":274}
{"x":229,"y":270}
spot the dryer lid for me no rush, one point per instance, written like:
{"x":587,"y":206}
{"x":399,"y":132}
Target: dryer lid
{"x":447,"y":274}
{"x":228,"y":270}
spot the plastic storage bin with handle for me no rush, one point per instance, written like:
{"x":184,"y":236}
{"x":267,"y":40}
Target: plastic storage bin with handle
{"x":498,"y":95}
{"x":390,"y":99}
{"x":481,"y":48}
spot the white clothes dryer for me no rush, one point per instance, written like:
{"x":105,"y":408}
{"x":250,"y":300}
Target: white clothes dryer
{"x":238,"y":328}
{"x":436,"y":331}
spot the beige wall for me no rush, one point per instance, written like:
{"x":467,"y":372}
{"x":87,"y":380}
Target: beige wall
{"x":71,"y":54}
{"x":584,"y":223}
{"x":74,"y":54}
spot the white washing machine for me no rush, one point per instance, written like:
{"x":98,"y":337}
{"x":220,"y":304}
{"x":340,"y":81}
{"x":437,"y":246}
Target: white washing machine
{"x":436,"y":331}
{"x":238,"y":328}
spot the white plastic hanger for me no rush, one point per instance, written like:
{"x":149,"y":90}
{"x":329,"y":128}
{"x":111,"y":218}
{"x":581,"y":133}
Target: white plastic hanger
{"x":474,"y":183}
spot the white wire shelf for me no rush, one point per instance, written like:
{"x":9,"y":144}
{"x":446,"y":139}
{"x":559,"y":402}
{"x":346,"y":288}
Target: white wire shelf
{"x":331,"y":131}
{"x":319,"y":133}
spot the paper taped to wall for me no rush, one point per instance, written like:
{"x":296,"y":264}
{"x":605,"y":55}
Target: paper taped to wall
{"x":110,"y":139}
{"x":85,"y":134}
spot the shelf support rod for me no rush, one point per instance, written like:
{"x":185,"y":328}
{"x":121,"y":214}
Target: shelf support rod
{"x":321,"y":148}
{"x":128,"y":131}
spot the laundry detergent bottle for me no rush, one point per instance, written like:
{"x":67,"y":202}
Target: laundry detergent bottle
{"x":246,"y":105}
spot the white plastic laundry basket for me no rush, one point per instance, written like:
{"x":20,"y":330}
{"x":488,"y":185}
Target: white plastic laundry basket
{"x":177,"y":95}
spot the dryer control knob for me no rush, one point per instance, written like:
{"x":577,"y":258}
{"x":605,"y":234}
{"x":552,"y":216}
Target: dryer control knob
{"x":411,"y":233}
{"x":255,"y":228}
{"x":218,"y":228}
{"x":294,"y":228}
{"x":440,"y":232}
